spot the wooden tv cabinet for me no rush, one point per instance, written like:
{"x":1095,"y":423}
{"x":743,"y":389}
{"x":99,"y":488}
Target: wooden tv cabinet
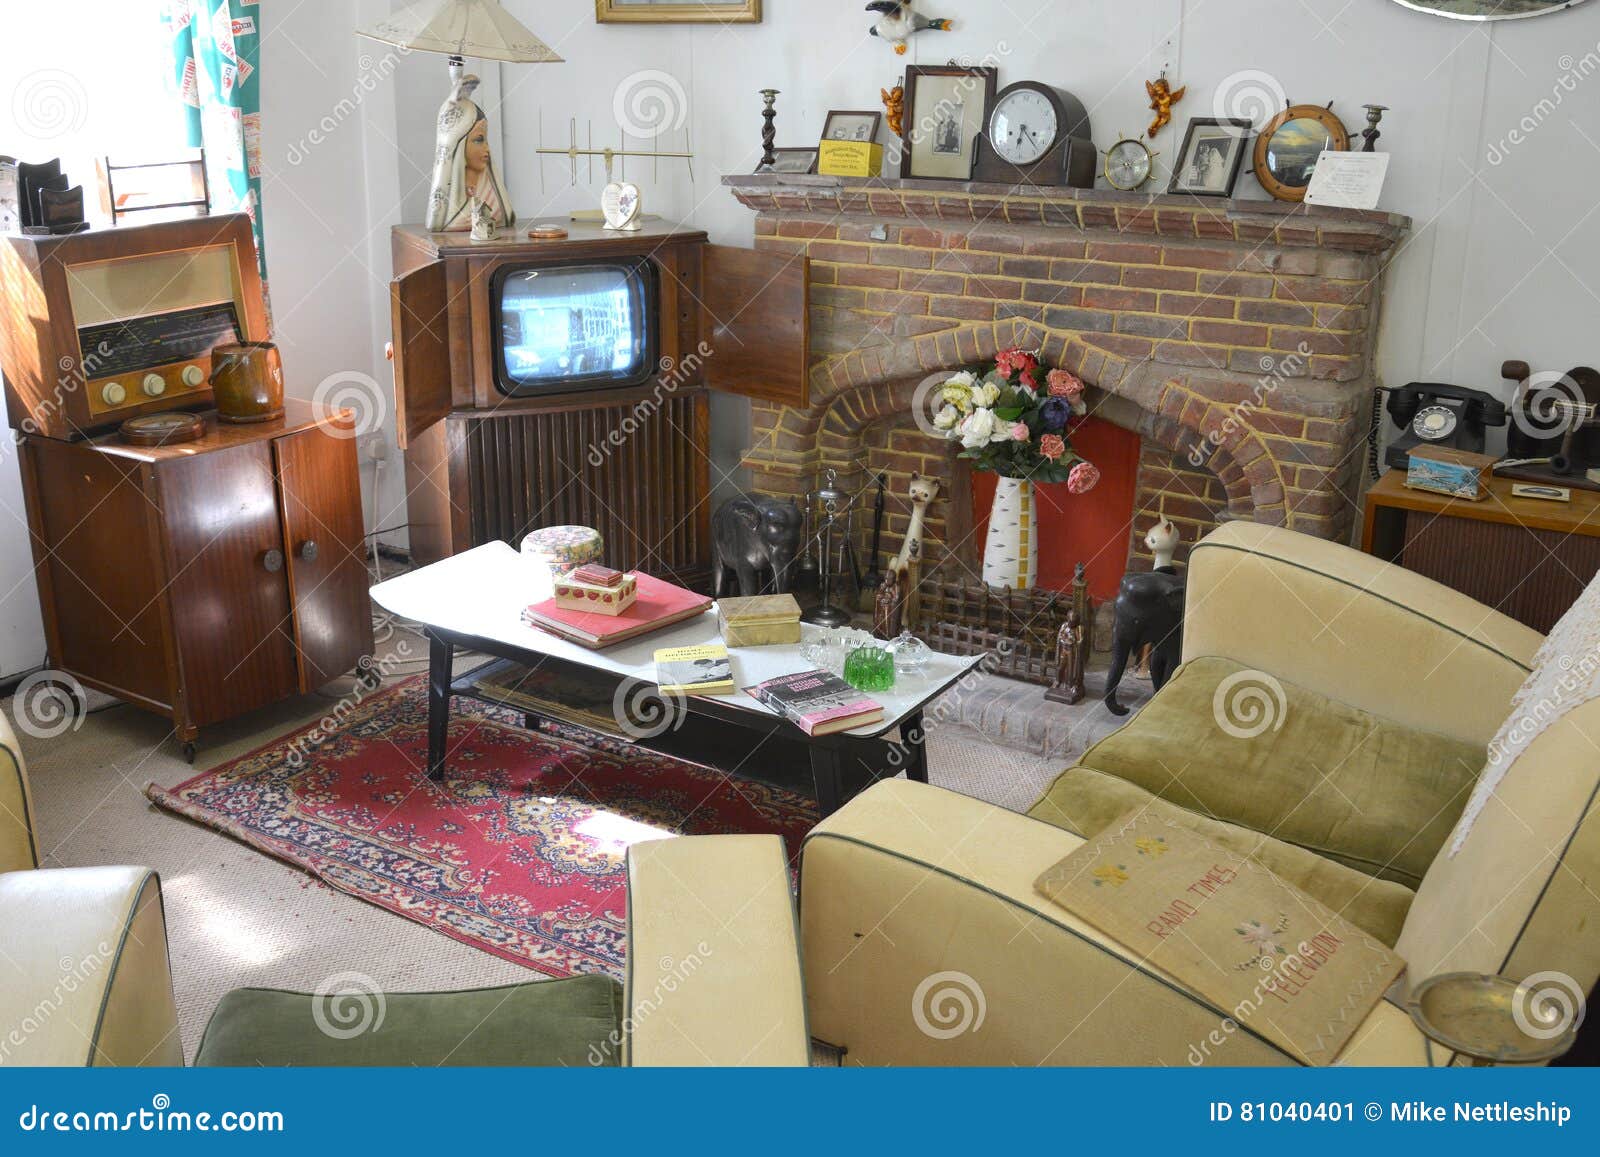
{"x":202,"y":580}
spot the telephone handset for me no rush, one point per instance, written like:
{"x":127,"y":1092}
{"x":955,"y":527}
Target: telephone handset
{"x":1433,"y":414}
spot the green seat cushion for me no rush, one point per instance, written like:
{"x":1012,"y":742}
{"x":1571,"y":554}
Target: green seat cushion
{"x":1366,"y":792}
{"x":574,"y":1022}
{"x":1087,"y":801}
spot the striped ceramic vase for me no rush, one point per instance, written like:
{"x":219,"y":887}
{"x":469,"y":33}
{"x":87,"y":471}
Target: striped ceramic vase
{"x":1011,"y":550}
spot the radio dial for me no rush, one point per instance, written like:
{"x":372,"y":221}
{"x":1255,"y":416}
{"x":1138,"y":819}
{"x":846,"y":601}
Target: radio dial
{"x":113,"y":394}
{"x":154,"y":385}
{"x":193,"y":375}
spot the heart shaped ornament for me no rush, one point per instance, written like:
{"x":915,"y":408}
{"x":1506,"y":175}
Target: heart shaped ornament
{"x":620,"y":202}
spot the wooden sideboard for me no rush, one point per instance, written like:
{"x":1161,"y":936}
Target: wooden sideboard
{"x":202,"y":580}
{"x":1526,"y":557}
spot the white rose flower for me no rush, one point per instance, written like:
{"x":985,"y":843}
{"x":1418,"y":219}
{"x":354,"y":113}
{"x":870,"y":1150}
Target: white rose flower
{"x":946,"y":418}
{"x":964,"y":378}
{"x":977,"y":429}
{"x":987,"y":394}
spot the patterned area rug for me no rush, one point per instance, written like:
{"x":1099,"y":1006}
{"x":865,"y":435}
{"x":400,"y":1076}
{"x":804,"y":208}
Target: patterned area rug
{"x":519,"y":852}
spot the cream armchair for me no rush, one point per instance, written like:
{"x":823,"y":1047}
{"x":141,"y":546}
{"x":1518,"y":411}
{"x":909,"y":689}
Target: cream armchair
{"x":925,"y":942}
{"x":83,"y":951}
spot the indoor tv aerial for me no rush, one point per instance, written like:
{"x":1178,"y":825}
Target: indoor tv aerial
{"x":621,"y":203}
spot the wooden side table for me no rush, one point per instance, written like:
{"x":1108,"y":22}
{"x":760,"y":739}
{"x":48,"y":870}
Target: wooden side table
{"x":1526,"y":557}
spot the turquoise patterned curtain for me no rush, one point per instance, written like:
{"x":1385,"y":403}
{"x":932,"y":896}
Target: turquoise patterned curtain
{"x":216,"y":73}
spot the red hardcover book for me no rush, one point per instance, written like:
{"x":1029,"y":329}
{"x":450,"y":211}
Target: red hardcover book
{"x":660,"y":604}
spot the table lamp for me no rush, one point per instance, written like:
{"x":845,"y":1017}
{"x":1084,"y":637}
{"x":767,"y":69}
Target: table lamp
{"x":467,"y":191}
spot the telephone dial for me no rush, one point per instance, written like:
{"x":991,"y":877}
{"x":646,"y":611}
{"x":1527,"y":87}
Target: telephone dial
{"x":1433,"y":414}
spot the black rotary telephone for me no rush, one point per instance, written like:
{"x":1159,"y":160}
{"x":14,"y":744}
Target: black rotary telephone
{"x":1432,"y":414}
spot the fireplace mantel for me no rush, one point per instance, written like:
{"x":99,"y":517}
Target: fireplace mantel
{"x":1236,"y":337}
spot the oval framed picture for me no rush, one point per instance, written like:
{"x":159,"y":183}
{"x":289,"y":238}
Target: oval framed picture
{"x":1288,"y":148}
{"x":1488,"y":9}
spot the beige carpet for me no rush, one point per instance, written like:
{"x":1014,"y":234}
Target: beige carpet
{"x":236,"y":917}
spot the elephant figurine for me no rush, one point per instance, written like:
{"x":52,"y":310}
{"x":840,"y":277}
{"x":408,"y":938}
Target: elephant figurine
{"x":1149,"y":610}
{"x":751,"y":535}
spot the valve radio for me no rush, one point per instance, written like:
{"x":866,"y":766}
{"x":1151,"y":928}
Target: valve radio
{"x":110,"y":324}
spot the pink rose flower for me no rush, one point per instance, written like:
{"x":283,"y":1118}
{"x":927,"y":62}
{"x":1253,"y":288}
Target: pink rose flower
{"x":1019,"y":432}
{"x":1064,"y":384}
{"x":1052,"y":446}
{"x":1083,"y":478}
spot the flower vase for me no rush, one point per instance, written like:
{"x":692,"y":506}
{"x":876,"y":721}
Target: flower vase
{"x":1011,"y":550}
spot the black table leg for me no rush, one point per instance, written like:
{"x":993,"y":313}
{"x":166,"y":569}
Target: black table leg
{"x":827,"y":775}
{"x":441,"y":656}
{"x":915,"y":741}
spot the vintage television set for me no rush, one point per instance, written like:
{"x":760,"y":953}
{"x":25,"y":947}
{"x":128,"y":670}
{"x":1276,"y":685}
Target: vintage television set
{"x":540,"y":383}
{"x":116,"y":323}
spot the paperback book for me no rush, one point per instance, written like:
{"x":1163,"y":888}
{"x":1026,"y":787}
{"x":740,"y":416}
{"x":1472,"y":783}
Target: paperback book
{"x":817,"y":702}
{"x":703,"y":670}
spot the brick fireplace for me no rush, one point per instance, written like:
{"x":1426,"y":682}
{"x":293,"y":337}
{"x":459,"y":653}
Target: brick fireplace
{"x":1234,"y":337}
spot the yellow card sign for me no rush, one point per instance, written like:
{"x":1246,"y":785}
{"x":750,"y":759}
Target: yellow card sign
{"x":1277,"y":961}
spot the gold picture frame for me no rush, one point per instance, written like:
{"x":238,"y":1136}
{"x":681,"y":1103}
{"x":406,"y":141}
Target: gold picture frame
{"x":639,"y":12}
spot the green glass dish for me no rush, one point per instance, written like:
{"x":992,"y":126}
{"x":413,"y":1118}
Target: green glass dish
{"x":870,"y":668}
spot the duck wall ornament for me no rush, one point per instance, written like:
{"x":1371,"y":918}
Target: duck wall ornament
{"x":1162,"y":98}
{"x":898,"y":22}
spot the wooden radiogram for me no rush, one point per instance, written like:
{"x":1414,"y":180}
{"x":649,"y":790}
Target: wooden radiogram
{"x":633,"y":462}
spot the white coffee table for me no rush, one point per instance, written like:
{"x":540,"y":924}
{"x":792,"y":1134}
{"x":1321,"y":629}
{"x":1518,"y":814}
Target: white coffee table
{"x":475,"y":601}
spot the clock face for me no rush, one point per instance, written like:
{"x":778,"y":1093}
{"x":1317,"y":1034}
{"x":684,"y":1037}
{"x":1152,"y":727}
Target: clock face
{"x":1023,"y":126}
{"x":1127,"y":164}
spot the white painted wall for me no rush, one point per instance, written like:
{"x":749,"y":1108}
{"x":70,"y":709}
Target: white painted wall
{"x":1499,"y":265}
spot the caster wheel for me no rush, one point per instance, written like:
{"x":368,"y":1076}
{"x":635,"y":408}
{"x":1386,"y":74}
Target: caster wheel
{"x":189,"y":750}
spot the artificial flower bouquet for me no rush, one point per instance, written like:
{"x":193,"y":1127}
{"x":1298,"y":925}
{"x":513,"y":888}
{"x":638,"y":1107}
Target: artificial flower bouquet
{"x":1012,"y":418}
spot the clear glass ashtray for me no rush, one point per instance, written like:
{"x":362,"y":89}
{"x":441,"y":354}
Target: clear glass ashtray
{"x":911,"y":655}
{"x":827,"y":648}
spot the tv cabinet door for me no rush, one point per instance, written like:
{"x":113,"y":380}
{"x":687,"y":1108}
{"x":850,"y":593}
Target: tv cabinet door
{"x":419,"y":321}
{"x":756,"y":320}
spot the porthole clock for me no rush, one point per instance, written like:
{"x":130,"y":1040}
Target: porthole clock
{"x":1035,"y":134}
{"x":1129,"y":164}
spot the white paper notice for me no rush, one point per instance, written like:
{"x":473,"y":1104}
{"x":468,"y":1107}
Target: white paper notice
{"x":1348,"y":180}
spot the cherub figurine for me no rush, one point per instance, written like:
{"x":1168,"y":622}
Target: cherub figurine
{"x":894,"y":107}
{"x":1162,"y":98}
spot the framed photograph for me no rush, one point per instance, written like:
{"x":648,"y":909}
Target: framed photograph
{"x":946,"y":108}
{"x":1212,"y":154}
{"x":676,"y":12}
{"x":852,"y":126}
{"x":793,"y":161}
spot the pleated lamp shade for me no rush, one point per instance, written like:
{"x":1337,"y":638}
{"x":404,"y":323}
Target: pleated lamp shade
{"x":479,"y":28}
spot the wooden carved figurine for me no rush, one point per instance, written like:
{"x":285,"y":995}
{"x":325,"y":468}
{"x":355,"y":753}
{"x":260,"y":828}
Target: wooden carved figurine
{"x":894,"y":108}
{"x":463,"y":171}
{"x":887,"y":608}
{"x":1162,"y":98}
{"x":907,"y":565}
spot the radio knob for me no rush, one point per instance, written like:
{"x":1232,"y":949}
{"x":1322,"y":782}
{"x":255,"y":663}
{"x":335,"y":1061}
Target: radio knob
{"x":112,"y":394}
{"x":193,"y":375}
{"x":154,"y":385}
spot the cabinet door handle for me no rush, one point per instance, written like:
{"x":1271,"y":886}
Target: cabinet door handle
{"x":308,"y":550}
{"x":272,"y":561}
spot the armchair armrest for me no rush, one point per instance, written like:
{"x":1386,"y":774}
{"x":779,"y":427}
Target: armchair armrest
{"x":84,"y":977}
{"x":1354,"y":628}
{"x":713,"y":955}
{"x":17,"y":850}
{"x":925,"y":944}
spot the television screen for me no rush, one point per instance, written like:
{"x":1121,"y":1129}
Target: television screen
{"x":571,"y":326}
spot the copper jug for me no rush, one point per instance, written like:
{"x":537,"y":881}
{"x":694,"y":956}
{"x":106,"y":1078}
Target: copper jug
{"x":247,"y":381}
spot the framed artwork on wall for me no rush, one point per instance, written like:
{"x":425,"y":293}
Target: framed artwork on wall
{"x":676,"y":12}
{"x":1212,"y":154}
{"x":947,"y":107}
